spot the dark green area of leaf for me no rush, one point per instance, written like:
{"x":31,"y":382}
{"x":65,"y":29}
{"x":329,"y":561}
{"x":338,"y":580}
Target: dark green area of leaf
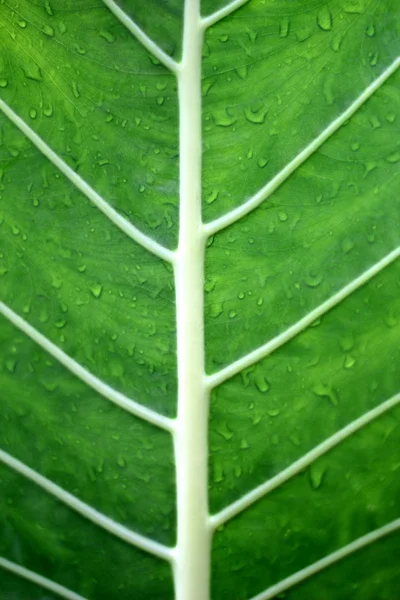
{"x":52,"y":540}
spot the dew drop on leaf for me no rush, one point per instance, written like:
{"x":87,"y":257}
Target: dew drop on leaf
{"x":349,"y":361}
{"x":316,"y":475}
{"x":49,"y":31}
{"x":107,"y":35}
{"x":324,"y":19}
{"x":323,"y":390}
{"x":262,"y":383}
{"x":284,"y":27}
{"x":96,"y":289}
{"x":313,"y":279}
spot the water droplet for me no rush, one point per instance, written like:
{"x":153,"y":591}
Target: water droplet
{"x":60,"y":323}
{"x":284,"y":27}
{"x":22,"y":23}
{"x":244,"y":444}
{"x":282,"y":216}
{"x":393,"y":158}
{"x":375,"y":122}
{"x":75,"y":89}
{"x":47,"y":30}
{"x":355,"y":7}
{"x":316,"y":475}
{"x":336,"y":44}
{"x":48,"y":8}
{"x":242,"y":72}
{"x":3,"y":83}
{"x":212,"y":196}
{"x":326,"y":391}
{"x":224,"y":118}
{"x":216,"y":309}
{"x":121,"y":461}
{"x":256,"y":116}
{"x":96,"y":289}
{"x":273,"y":412}
{"x":390,"y":117}
{"x":349,"y":361}
{"x":224,"y":38}
{"x":262,"y":162}
{"x":48,"y":110}
{"x":324,"y":19}
{"x":218,"y":473}
{"x":262,"y":383}
{"x":373,"y":59}
{"x":11,"y":363}
{"x":107,"y":35}
{"x":224,"y":431}
{"x":370,"y":30}
{"x":390,"y":320}
{"x":347,"y":245}
{"x":313,"y":279}
{"x":33,"y":113}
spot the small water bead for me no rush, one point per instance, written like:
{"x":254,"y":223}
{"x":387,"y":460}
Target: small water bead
{"x":284,"y":27}
{"x":212,"y":196}
{"x":370,"y":30}
{"x":349,"y":361}
{"x":316,"y":474}
{"x":313,"y":279}
{"x":324,"y":19}
{"x":262,"y":383}
{"x":256,"y":116}
{"x":107,"y":36}
{"x":96,"y":289}
{"x":48,"y":31}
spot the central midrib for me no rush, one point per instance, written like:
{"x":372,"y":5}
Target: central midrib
{"x":192,"y":553}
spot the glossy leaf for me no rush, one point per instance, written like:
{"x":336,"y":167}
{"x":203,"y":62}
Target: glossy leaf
{"x":108,"y":490}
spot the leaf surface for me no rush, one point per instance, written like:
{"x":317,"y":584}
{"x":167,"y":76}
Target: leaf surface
{"x":300,"y":205}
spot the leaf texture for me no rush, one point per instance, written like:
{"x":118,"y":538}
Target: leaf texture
{"x":106,"y":407}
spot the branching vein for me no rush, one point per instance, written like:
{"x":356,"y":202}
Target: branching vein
{"x":268,"y":189}
{"x":79,"y":371}
{"x":299,"y":465}
{"x":52,"y":586}
{"x":329,"y":560}
{"x":130,"y":230}
{"x":249,"y":359}
{"x":223,"y":12}
{"x":143,"y":38}
{"x":87,"y":511}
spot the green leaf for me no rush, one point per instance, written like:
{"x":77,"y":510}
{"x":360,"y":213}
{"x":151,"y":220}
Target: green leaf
{"x":199,"y":298}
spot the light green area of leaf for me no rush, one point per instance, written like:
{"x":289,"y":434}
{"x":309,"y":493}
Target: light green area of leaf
{"x":275,"y":74}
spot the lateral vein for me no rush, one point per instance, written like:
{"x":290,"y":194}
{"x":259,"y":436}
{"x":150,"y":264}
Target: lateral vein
{"x":87,"y":511}
{"x":266,"y":349}
{"x":48,"y":584}
{"x":130,"y":230}
{"x":265,"y":192}
{"x":84,"y":375}
{"x":327,"y":561}
{"x":220,"y":14}
{"x":142,"y":37}
{"x":299,"y":465}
